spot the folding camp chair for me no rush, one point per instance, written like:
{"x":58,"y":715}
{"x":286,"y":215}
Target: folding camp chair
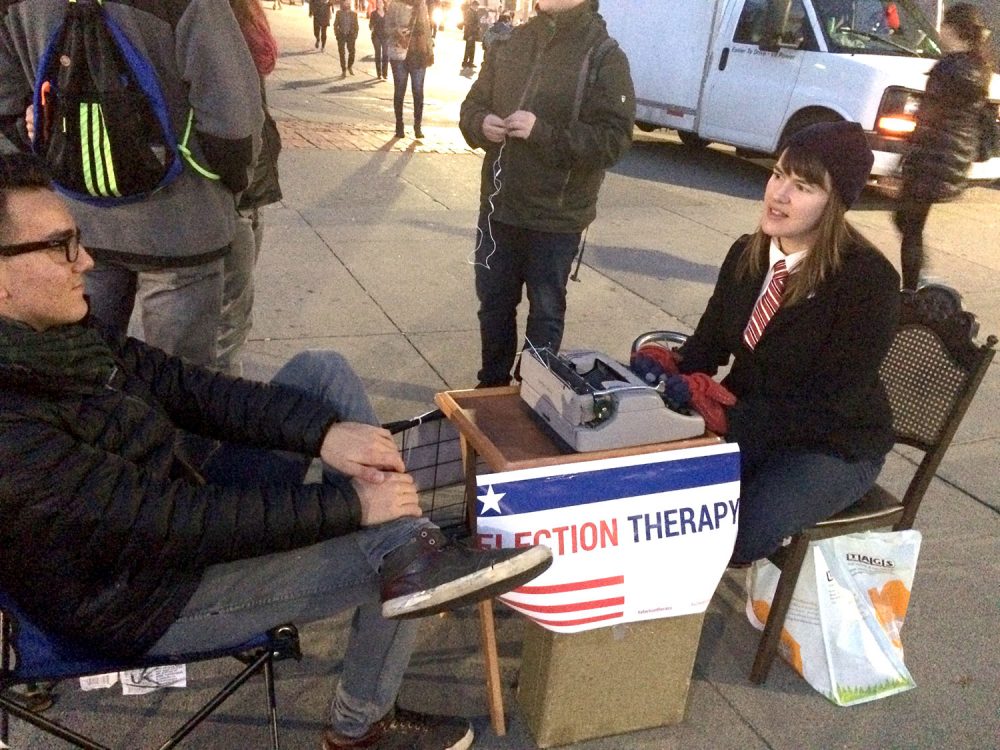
{"x":29,"y":655}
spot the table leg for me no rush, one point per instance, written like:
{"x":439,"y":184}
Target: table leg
{"x":469,"y":458}
{"x":494,"y":694}
{"x":487,"y":626}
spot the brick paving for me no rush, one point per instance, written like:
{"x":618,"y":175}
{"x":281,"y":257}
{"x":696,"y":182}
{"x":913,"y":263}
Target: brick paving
{"x":333,"y":136}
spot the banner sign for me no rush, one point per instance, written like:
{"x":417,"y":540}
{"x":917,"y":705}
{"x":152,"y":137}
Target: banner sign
{"x":633,"y":538}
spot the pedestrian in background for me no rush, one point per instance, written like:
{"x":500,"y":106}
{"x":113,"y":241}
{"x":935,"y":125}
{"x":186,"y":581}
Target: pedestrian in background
{"x":946,"y":139}
{"x":411,"y":52}
{"x":470,"y":33}
{"x":320,"y":12}
{"x":380,"y":40}
{"x":499,"y":31}
{"x":239,"y":266}
{"x":553,"y":108}
{"x":345,"y":29}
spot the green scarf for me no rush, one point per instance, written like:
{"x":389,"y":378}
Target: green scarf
{"x":75,"y":352}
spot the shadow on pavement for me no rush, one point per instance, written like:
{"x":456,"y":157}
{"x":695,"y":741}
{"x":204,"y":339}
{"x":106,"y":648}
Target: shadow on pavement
{"x":656,"y":264}
{"x":704,"y":169}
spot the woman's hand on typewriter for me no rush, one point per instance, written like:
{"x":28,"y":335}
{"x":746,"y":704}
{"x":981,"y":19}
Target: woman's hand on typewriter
{"x":654,"y":363}
{"x":710,"y":399}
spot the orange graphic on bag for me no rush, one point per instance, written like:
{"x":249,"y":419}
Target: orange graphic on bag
{"x":890,"y":608}
{"x":789,"y":649}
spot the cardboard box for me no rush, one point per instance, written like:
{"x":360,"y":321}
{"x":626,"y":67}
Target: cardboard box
{"x":606,"y":681}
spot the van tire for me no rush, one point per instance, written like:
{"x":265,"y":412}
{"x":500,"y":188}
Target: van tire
{"x":692,"y":140}
{"x":803,"y":120}
{"x":646,"y":127}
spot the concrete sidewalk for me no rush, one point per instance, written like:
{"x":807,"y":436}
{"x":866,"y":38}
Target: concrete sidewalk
{"x":367,"y":254}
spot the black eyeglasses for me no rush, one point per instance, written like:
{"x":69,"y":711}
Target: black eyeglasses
{"x":68,"y":242}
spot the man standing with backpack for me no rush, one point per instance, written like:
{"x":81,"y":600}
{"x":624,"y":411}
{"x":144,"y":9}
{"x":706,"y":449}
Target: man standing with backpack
{"x":553,"y":108}
{"x":164,"y":248}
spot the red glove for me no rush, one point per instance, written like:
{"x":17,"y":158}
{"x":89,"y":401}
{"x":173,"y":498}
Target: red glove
{"x":666,"y":358}
{"x":710,"y":399}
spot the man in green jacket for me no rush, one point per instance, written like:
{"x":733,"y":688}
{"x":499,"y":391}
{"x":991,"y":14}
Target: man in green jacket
{"x":553,"y":107}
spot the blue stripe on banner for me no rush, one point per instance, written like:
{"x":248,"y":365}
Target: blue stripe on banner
{"x":568,"y":490}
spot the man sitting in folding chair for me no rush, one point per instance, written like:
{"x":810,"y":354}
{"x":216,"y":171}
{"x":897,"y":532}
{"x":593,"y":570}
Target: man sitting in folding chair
{"x":148,"y":506}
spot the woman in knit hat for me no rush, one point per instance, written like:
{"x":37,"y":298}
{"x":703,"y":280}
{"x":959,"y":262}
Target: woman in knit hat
{"x":805,"y":308}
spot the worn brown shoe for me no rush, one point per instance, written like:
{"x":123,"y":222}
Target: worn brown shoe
{"x":407,"y":730}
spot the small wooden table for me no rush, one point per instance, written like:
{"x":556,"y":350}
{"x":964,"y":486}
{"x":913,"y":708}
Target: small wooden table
{"x":497,"y":425}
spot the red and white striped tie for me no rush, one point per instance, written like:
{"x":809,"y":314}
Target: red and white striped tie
{"x":766,"y":306}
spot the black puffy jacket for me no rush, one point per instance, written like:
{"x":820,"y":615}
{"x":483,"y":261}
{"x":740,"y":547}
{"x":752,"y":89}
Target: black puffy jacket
{"x":946,"y":139}
{"x":104,"y":528}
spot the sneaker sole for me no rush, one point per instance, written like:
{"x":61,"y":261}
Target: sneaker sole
{"x":475,"y":587}
{"x":465,"y":743}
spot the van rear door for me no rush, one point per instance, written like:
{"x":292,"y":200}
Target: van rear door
{"x":756,"y":63}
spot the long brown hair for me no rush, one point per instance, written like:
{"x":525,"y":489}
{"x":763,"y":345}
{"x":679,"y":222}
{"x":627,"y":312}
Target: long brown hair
{"x":420,"y":38}
{"x":834,"y":237}
{"x":257,"y":33}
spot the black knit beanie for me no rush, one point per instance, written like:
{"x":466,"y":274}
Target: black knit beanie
{"x":842,"y":148}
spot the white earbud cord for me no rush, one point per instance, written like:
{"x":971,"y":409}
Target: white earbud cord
{"x":497,"y":184}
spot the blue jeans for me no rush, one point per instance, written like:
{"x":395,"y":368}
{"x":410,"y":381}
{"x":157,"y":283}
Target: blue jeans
{"x":792,"y":491}
{"x":181,"y":307}
{"x":400,"y":72}
{"x":507,"y":259}
{"x":238,"y":600}
{"x":381,"y":45}
{"x":910,"y":219}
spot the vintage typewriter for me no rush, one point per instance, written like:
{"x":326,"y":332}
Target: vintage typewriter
{"x":594,"y":403}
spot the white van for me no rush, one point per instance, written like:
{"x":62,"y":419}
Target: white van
{"x":749,"y":73}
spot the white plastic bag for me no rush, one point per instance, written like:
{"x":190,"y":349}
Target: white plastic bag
{"x":842,"y":631}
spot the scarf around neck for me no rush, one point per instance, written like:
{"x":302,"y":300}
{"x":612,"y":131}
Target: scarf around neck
{"x":76,"y":352}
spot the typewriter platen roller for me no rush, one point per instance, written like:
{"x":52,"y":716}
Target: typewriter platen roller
{"x":594,"y":403}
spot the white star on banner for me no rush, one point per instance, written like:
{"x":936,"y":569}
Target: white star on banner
{"x":491,"y":500}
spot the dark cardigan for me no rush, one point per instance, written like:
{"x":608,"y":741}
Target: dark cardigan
{"x":811,"y":383}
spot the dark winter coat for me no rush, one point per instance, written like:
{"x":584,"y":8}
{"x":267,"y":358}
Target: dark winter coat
{"x":946,"y":139}
{"x":811,"y":382}
{"x":470,"y":24}
{"x":320,"y":11}
{"x":550,"y":180}
{"x":378,"y":26}
{"x":104,"y":529}
{"x":345,"y":25}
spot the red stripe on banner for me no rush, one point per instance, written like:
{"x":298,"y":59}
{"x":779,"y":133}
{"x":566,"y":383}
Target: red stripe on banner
{"x":582,"y":621}
{"x":577,"y":586}
{"x":617,"y":601}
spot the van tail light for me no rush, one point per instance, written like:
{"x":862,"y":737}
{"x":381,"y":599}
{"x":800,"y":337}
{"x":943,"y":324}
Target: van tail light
{"x":896,"y":125}
{"x":897,"y":112}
